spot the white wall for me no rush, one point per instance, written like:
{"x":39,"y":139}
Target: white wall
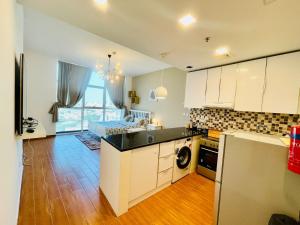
{"x":19,"y":30}
{"x":170,"y":112}
{"x":40,"y":78}
{"x":10,"y":145}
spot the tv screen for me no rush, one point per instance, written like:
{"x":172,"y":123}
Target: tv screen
{"x":19,"y":95}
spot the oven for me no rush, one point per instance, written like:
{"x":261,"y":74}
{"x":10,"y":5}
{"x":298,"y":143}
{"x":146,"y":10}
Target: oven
{"x":208,"y":158}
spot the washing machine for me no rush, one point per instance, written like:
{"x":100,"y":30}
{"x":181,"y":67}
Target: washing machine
{"x":182,"y":158}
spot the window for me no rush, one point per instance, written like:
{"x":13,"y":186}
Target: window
{"x":95,"y":105}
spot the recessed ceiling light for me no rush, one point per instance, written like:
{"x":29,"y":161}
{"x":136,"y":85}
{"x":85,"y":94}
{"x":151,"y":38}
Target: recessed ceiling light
{"x":223,"y":51}
{"x":187,"y":20}
{"x":101,"y":2}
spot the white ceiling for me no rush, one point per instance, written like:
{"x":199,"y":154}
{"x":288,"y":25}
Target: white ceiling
{"x":248,"y":27}
{"x":72,"y":44}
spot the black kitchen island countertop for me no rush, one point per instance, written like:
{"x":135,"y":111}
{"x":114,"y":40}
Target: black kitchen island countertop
{"x":129,"y":141}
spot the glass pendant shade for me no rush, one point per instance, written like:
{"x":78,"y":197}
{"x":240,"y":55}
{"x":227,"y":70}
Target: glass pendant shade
{"x":161,"y":92}
{"x":112,"y":74}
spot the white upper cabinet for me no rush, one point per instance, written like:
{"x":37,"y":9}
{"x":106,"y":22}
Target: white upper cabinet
{"x":263,"y":85}
{"x":195,"y":89}
{"x":250,"y":85}
{"x":282,"y":84}
{"x":228,"y":85}
{"x":213,"y":82}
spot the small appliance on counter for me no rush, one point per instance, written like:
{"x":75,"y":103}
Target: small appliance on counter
{"x":30,"y":124}
{"x":191,"y":126}
{"x":214,"y":133}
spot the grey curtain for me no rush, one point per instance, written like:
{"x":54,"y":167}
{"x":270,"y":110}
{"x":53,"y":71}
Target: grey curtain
{"x":116,"y":93}
{"x":72,"y":83}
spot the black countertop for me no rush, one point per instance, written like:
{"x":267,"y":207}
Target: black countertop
{"x":129,"y":141}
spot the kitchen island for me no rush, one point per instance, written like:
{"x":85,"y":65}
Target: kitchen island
{"x":134,"y":166}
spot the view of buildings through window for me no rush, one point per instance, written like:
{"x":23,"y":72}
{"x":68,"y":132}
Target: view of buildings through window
{"x":94,"y":106}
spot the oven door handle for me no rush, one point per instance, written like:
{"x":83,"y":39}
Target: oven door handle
{"x":208,"y":150}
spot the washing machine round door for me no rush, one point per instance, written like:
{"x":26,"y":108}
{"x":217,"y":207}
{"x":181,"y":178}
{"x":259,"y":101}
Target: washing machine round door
{"x":184,"y":156}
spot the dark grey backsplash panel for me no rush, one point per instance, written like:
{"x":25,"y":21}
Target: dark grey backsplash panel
{"x":223,"y":119}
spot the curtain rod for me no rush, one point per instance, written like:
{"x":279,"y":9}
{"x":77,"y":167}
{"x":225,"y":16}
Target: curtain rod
{"x":246,"y":60}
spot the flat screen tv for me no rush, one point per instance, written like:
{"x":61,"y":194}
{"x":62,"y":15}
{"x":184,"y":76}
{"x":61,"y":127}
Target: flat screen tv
{"x":19,"y":95}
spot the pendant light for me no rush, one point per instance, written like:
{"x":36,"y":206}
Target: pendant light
{"x":161,"y":92}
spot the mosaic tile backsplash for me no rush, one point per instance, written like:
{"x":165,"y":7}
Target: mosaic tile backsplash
{"x":224,"y":119}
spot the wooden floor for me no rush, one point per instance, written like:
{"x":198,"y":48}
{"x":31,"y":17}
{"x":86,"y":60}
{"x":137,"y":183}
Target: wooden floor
{"x":60,"y":187}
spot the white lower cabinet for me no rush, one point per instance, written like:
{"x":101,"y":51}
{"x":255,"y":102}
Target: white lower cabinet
{"x":164,"y":177}
{"x":151,"y":169}
{"x":166,"y":148}
{"x":165,"y":162}
{"x":144,"y":167}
